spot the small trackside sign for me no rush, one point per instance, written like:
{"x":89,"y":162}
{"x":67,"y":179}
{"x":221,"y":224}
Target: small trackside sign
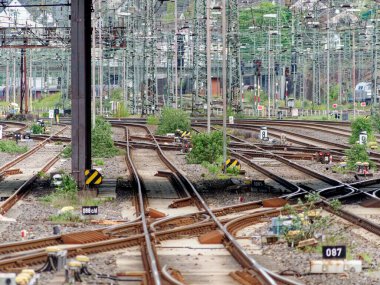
{"x":90,"y":210}
{"x":334,"y":252}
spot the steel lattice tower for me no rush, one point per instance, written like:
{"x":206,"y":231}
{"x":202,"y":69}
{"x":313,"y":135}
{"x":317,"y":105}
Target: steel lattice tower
{"x":199,"y":48}
{"x":233,"y":62}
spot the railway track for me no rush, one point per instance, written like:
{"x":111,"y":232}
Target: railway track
{"x":194,"y":223}
{"x":21,"y":172}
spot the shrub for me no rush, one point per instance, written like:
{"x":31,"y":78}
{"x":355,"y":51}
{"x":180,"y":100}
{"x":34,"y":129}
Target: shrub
{"x":152,"y":120}
{"x":101,"y":139}
{"x":206,"y":147}
{"x":357,"y":153}
{"x":359,"y":125}
{"x":11,"y":147}
{"x":173,"y":119}
{"x":36,"y":129}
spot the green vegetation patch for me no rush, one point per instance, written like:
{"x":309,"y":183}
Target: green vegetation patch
{"x":37,"y":129}
{"x":48,"y":102}
{"x":206,"y":147}
{"x":101,"y":139}
{"x":67,"y":195}
{"x":152,"y":120}
{"x":65,"y":217}
{"x":173,"y":119}
{"x":358,"y":152}
{"x":11,"y":147}
{"x":359,"y":125}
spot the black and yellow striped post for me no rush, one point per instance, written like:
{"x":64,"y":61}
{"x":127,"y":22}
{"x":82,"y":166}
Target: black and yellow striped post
{"x":232,"y":163}
{"x":93,"y":177}
{"x":186,"y":134}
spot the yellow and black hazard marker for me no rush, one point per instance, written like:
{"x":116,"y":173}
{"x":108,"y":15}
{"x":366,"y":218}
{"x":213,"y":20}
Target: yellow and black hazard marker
{"x":93,"y":177}
{"x":232,"y":163}
{"x":186,"y":135}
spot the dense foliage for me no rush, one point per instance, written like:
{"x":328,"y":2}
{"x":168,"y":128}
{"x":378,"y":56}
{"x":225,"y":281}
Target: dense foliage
{"x":173,"y":119}
{"x":361,"y":124}
{"x":37,"y":129}
{"x":101,"y":139}
{"x":206,"y":147}
{"x":357,"y":153}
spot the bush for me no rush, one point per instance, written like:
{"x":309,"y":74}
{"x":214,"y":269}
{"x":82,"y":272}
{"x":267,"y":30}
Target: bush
{"x":173,"y":119}
{"x":359,"y":125}
{"x":101,"y":139}
{"x":358,"y":152}
{"x":11,"y":147}
{"x":206,"y":147}
{"x":37,"y":129}
{"x":152,"y":120}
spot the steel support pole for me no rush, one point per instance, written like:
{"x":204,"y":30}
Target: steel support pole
{"x":176,"y":54}
{"x":93,"y":102}
{"x":224,"y":84}
{"x":81,"y":88}
{"x":208,"y":46}
{"x":7,"y":83}
{"x":353,"y":70}
{"x":328,"y":62}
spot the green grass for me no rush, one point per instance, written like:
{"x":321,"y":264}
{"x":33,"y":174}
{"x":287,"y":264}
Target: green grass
{"x":11,"y":147}
{"x":98,"y":161}
{"x":48,"y":102}
{"x":152,"y":120}
{"x":65,"y":217}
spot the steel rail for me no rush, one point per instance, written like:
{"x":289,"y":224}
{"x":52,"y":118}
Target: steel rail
{"x":148,"y":243}
{"x":261,"y":273}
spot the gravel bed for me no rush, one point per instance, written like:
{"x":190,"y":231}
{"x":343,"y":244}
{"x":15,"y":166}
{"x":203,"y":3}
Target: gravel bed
{"x":33,"y":215}
{"x":221,"y":192}
{"x":287,"y":258}
{"x":118,"y":134}
{"x":7,"y":157}
{"x":113,"y":168}
{"x":103,"y":263}
{"x":326,"y":169}
{"x":335,"y":138}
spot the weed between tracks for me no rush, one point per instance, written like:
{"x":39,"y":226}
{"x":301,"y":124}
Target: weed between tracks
{"x":11,"y":147}
{"x":67,"y":194}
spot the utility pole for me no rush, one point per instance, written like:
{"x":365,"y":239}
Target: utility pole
{"x":374,"y":69}
{"x":100,"y":23}
{"x":224,"y":84}
{"x":234,"y":64}
{"x":199,"y":73}
{"x":269,"y":72}
{"x":31,"y":82}
{"x":353,"y":70}
{"x":208,"y":46}
{"x":7,"y":80}
{"x":328,"y":61}
{"x":93,"y":71}
{"x":176,"y":54}
{"x":14,"y":78}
